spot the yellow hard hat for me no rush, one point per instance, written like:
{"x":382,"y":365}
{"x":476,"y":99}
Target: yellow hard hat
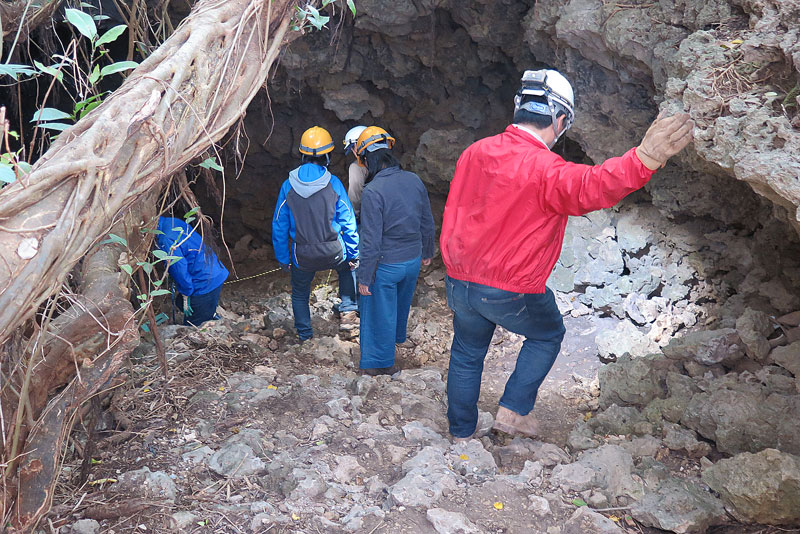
{"x":316,"y":141}
{"x":373,"y":138}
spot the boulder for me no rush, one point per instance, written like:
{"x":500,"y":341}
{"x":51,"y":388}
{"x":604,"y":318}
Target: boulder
{"x":677,"y":438}
{"x":624,"y":339}
{"x":753,"y":327}
{"x":707,"y":347}
{"x":634,"y":381}
{"x":236,"y":460}
{"x":759,"y":488}
{"x":620,"y":420}
{"x":742,"y":418}
{"x":427,"y":478}
{"x":679,"y":506}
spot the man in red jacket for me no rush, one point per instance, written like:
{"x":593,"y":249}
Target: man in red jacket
{"x":502,"y":233}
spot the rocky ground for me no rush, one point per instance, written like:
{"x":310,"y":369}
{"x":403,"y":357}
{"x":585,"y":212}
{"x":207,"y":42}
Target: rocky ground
{"x":254,"y":432}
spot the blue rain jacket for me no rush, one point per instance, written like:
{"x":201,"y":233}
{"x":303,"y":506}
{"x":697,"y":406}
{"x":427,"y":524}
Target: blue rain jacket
{"x":306,"y":180}
{"x":196,"y":273}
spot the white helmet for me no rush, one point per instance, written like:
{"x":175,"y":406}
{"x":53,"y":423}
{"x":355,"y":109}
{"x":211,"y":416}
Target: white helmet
{"x":552,"y":85}
{"x":352,"y":136}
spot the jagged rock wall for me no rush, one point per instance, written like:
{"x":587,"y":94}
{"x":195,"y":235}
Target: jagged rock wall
{"x":440,"y":74}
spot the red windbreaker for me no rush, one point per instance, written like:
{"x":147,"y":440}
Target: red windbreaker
{"x":508,"y":205}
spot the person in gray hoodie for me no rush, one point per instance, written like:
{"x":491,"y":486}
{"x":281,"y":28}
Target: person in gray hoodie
{"x":314,"y":229}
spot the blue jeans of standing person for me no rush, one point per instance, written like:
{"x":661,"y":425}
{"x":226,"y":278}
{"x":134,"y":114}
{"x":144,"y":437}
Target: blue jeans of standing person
{"x":204,"y":308}
{"x":477,"y":310}
{"x":301,"y":292}
{"x":384,"y":314}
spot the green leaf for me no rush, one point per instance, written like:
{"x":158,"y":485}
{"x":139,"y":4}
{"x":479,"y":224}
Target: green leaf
{"x":159,"y":292}
{"x":100,"y":17}
{"x":82,"y":21}
{"x":25,"y":167}
{"x":148,"y":267}
{"x":127,"y":268}
{"x":58,"y":126}
{"x":49,"y":114}
{"x":211,"y":163}
{"x":111,"y":35}
{"x":141,"y":296}
{"x":89,"y":108}
{"x":160,"y":254}
{"x":114,"y":238}
{"x":55,"y":73}
{"x":579,"y":502}
{"x":191,"y":212}
{"x":15,"y":70}
{"x":7,"y":174}
{"x":158,"y":283}
{"x":13,"y":134}
{"x":119,"y":66}
{"x":352,"y":5}
{"x":95,"y":75}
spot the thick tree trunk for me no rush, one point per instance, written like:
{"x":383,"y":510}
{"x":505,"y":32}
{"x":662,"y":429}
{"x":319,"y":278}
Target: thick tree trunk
{"x":94,"y":178}
{"x":170,"y":110}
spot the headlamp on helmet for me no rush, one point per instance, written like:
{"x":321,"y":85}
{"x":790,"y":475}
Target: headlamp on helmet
{"x":555,"y":89}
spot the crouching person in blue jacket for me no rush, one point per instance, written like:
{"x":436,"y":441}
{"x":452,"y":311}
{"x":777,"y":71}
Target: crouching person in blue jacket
{"x":198,"y":274}
{"x":314,"y":229}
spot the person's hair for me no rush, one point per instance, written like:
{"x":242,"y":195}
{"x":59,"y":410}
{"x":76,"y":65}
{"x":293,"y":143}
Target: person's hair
{"x":322,"y":160}
{"x":203,"y":225}
{"x":378,"y":160}
{"x":522,"y":116}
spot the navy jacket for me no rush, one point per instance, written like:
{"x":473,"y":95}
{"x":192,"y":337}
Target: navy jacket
{"x":396,"y":221}
{"x":196,"y":273}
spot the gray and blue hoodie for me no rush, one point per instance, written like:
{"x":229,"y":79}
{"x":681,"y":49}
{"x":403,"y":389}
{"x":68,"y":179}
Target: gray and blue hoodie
{"x":314,"y":225}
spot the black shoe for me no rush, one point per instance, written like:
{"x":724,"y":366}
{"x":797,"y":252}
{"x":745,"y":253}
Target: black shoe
{"x":380,"y":371}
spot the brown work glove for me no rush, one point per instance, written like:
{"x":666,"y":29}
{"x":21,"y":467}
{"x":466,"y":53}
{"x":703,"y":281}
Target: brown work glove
{"x":666,"y":137}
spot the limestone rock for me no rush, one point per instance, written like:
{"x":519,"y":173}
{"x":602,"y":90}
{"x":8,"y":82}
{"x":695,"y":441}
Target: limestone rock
{"x":679,"y":506}
{"x":585,"y":520}
{"x":788,"y":357}
{"x":742,"y":418}
{"x":753,"y":328}
{"x":352,"y":101}
{"x":620,"y":420}
{"x":451,"y":522}
{"x":634,"y":381}
{"x":624,"y":339}
{"x":678,"y":438}
{"x":707,"y":347}
{"x":759,"y":488}
{"x":84,"y":526}
{"x":470,"y":458}
{"x":427,"y":478}
{"x":142,"y":483}
{"x":236,"y":460}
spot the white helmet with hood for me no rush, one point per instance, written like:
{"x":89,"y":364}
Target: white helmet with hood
{"x":555,"y":88}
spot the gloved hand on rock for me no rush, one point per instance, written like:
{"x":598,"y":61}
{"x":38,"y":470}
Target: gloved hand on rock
{"x":666,"y":137}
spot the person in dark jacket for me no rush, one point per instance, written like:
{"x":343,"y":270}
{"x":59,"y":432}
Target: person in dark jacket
{"x":198,"y":274}
{"x":314,"y":229}
{"x":397,"y":235}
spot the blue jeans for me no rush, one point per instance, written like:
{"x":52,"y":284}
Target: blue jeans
{"x":204,"y":307}
{"x":384,"y":314}
{"x":301,"y":292}
{"x":477,"y":310}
